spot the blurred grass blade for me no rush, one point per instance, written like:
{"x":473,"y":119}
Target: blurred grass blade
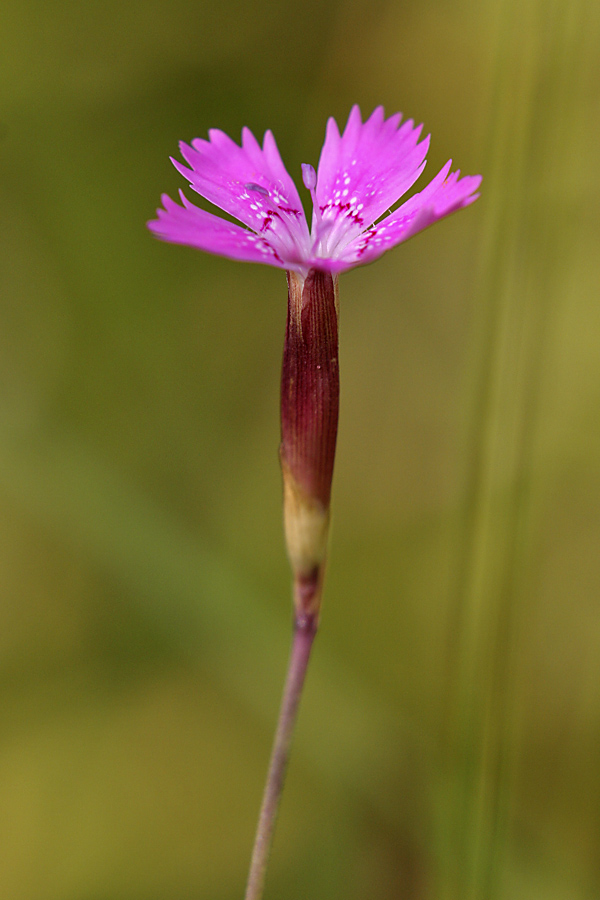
{"x":537,"y":67}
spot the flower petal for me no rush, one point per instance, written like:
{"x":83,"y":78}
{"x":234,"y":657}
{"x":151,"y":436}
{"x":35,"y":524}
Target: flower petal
{"x":251,"y":184}
{"x":445,"y":194}
{"x":364,"y":172}
{"x":195,"y":227}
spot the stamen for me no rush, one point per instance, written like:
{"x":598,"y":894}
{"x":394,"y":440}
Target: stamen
{"x":319,"y":229}
{"x":309,"y":177}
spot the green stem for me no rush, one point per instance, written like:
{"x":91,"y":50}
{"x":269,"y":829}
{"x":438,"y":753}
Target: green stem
{"x":305,"y":629}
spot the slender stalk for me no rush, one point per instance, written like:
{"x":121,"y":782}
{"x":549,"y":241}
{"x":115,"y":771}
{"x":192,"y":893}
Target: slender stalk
{"x":310,"y":388}
{"x":305,"y":629}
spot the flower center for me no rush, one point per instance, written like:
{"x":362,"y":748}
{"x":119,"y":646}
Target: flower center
{"x":321,"y":230}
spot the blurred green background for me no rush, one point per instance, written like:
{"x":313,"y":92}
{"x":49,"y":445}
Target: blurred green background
{"x":449,"y":739}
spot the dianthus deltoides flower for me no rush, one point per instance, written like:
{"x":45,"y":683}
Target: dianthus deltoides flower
{"x":361,"y":175}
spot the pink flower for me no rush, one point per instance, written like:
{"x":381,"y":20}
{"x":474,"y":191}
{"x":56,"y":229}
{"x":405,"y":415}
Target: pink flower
{"x":361,"y":174}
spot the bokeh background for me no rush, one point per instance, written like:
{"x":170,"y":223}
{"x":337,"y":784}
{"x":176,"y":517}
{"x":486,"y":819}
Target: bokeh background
{"x":449,"y":740}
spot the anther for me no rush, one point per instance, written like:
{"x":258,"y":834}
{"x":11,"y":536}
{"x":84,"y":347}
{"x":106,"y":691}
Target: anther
{"x":309,"y":177}
{"x":257,"y":188}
